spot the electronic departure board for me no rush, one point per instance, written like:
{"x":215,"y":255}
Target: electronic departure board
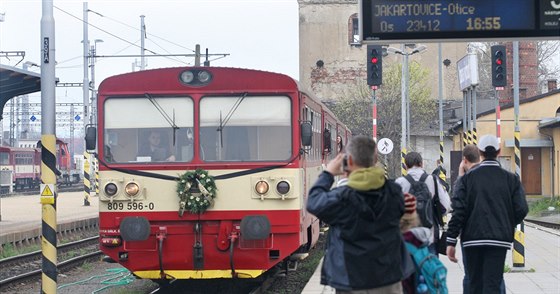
{"x":404,"y":20}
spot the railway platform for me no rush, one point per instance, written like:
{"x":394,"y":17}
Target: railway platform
{"x":22,"y":215}
{"x":541,"y":274}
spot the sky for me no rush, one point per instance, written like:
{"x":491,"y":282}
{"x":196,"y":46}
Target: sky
{"x":257,"y":34}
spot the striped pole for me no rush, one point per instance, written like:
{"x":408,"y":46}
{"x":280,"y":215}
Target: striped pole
{"x":474,"y":137}
{"x":403,"y":165}
{"x":518,"y":254}
{"x":48,"y":201}
{"x":465,"y":142}
{"x":374,"y":112}
{"x":96,"y":176}
{"x":87,"y":183}
{"x":469,"y":137}
{"x":498,"y":118}
{"x":48,"y":150}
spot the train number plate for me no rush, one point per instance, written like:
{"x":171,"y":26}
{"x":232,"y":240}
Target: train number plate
{"x":130,"y":206}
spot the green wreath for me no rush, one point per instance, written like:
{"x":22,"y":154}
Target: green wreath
{"x":196,"y":191}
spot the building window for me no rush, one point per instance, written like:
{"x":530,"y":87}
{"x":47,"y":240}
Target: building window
{"x":354,"y":30}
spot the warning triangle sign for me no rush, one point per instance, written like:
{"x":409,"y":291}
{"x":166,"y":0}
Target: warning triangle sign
{"x":47,"y":191}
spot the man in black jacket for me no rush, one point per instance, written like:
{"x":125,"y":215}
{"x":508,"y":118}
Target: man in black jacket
{"x":364,"y":242}
{"x":487,"y":205}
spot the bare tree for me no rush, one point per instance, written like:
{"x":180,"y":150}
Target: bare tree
{"x":548,"y":60}
{"x":355,"y":108}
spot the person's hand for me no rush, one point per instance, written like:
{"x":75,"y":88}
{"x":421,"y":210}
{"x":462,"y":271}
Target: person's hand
{"x":451,"y":254}
{"x":462,"y":168}
{"x":335,"y":166}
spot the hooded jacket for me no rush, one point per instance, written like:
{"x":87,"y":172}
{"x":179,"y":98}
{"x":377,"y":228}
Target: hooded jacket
{"x":364,"y":241}
{"x":487,"y":205}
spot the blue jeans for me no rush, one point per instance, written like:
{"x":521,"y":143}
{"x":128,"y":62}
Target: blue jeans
{"x":466,"y":279}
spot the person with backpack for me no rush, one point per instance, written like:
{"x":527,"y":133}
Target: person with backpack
{"x":364,"y":246}
{"x":425,"y":188}
{"x":430,"y":274}
{"x":488,"y":203}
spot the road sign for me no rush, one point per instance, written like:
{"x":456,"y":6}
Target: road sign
{"x":457,"y":20}
{"x":385,"y":146}
{"x":33,"y":118}
{"x":77,"y":117}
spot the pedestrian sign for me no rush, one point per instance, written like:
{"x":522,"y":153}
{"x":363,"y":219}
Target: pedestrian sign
{"x":47,"y":193}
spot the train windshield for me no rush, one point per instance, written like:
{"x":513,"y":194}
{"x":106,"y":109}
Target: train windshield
{"x":245,"y":128}
{"x":164,"y":131}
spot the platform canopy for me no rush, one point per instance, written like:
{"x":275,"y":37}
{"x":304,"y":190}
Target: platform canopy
{"x":15,"y":82}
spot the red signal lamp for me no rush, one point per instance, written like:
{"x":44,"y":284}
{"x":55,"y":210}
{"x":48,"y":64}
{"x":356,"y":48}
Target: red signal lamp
{"x":498,"y":61}
{"x":374,"y":60}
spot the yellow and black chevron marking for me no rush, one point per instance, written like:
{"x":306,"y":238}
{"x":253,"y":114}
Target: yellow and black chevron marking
{"x":48,"y":239}
{"x":96,"y":176}
{"x":87,"y":183}
{"x":465,"y":139}
{"x":403,"y":165}
{"x":469,"y":137}
{"x":441,"y":151}
{"x":518,"y":253}
{"x":517,"y":153}
{"x":474,"y":136}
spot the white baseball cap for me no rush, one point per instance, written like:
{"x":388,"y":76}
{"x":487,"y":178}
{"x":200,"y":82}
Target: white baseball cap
{"x":488,"y":141}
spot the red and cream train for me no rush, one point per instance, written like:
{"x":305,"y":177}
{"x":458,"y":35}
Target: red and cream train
{"x":223,"y":195}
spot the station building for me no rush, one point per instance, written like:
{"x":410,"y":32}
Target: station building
{"x":539,"y":132}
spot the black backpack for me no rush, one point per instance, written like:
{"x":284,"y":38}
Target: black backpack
{"x":424,"y":202}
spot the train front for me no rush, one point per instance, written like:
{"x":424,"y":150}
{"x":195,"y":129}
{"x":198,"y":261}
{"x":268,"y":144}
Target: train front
{"x":197,"y":183}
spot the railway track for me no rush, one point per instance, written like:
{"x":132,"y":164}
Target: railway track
{"x":25,"y":266}
{"x":550,"y":225}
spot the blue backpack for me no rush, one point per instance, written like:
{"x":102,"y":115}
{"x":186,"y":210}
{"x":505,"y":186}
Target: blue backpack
{"x":430,"y":271}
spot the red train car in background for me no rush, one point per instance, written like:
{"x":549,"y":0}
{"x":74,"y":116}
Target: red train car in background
{"x":20,"y":168}
{"x":204,"y":171}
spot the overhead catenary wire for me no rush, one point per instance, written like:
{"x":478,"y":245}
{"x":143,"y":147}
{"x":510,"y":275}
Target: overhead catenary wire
{"x":122,"y":39}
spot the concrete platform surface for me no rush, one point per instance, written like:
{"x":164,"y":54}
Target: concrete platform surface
{"x":24,"y":213}
{"x":541,"y":274}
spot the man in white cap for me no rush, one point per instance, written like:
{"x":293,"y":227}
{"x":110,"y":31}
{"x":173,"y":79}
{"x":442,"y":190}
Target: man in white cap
{"x":487,"y":205}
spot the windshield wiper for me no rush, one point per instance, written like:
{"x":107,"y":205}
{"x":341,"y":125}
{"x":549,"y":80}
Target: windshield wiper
{"x":169,"y":120}
{"x":229,"y":115}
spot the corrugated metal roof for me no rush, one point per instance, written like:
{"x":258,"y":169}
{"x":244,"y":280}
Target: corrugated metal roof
{"x":15,"y":82}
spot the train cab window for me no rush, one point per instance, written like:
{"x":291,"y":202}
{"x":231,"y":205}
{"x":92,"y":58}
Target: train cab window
{"x":245,"y":128}
{"x":4,"y":158}
{"x":154,"y":129}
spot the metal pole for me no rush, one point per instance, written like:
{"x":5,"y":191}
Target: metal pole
{"x":469,"y":115}
{"x":142,"y":37}
{"x":374,"y":112}
{"x":403,"y":111}
{"x":498,"y":117}
{"x":440,"y":94}
{"x":518,"y":254}
{"x":197,"y":55}
{"x":465,"y":127}
{"x":474,"y":113}
{"x":407,"y":91}
{"x":85,"y":86}
{"x":48,"y":150}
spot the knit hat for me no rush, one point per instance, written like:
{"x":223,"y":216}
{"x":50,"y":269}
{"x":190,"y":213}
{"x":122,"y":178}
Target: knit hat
{"x":409,"y":203}
{"x":410,"y":217}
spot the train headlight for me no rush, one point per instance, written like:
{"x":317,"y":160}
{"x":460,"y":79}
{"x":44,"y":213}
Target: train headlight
{"x":111,"y":189}
{"x":283,"y":187}
{"x":187,"y":77}
{"x":261,"y":187}
{"x":131,"y":189}
{"x":204,"y":77}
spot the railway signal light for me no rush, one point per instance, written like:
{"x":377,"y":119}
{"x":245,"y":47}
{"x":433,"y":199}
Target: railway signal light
{"x":499,"y":75}
{"x":374,"y":65}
